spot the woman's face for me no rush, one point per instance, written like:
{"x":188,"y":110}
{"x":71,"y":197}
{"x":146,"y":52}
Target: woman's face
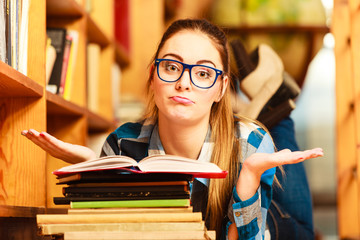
{"x":181,"y":102}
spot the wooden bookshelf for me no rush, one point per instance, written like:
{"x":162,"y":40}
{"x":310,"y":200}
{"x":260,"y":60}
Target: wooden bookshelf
{"x":15,"y":84}
{"x":26,"y":183}
{"x":57,"y":105}
{"x":95,"y":35}
{"x":64,"y":8}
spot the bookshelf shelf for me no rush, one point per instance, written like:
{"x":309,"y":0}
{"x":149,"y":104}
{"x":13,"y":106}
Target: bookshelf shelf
{"x":95,"y":34}
{"x":121,"y":56}
{"x":277,"y":29}
{"x":27,"y":212}
{"x":96,"y":123}
{"x":15,"y":84}
{"x":63,"y":8}
{"x":57,"y":105}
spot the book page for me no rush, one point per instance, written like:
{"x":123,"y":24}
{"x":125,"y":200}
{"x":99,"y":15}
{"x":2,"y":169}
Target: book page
{"x":170,"y":163}
{"x":108,"y":162}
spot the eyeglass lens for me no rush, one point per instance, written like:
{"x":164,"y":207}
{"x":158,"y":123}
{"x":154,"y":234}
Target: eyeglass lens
{"x":201,"y":76}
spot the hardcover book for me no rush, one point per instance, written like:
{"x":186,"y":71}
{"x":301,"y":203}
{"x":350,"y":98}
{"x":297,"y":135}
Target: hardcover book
{"x":57,"y":36}
{"x":151,"y":164}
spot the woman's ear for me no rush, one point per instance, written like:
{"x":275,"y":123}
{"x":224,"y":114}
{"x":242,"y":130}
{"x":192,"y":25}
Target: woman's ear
{"x":225,"y":83}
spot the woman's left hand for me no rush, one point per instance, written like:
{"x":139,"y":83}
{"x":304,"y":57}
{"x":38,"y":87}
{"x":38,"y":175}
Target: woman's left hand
{"x":255,"y":165}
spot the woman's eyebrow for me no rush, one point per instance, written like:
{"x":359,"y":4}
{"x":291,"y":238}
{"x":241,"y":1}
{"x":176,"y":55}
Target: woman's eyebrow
{"x":173,"y":55}
{"x":206,"y":61}
{"x":178,"y":57}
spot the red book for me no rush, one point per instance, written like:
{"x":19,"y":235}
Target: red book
{"x":68,"y":42}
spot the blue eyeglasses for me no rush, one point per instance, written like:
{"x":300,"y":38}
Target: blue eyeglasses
{"x":201,"y":76}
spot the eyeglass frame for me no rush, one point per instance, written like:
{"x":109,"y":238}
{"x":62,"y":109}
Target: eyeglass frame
{"x":187,"y":66}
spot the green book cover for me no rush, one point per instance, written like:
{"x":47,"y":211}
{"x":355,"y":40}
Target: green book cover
{"x":133,"y":203}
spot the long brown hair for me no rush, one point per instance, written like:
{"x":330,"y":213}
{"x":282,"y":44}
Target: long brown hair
{"x":226,"y":150}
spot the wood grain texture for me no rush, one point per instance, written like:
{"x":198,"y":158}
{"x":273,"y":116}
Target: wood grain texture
{"x":345,"y":27}
{"x":22,"y":163}
{"x":15,"y":84}
{"x":69,"y":129}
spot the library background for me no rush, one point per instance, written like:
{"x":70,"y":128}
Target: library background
{"x":77,"y":69}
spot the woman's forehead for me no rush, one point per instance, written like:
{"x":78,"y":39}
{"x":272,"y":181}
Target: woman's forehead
{"x":192,"y":46}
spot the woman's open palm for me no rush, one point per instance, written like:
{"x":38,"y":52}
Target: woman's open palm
{"x":67,"y":152}
{"x":260,"y":162}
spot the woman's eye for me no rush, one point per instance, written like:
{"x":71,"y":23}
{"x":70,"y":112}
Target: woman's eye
{"x":203,"y":74}
{"x":171,"y":67}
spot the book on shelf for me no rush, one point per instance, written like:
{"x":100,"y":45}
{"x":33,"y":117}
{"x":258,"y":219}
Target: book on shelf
{"x":57,"y":36}
{"x":68,"y":86}
{"x":50,"y":59}
{"x":3,"y":31}
{"x":150,"y":164}
{"x":23,"y":35}
{"x":14,"y":17}
{"x":116,"y":75}
{"x":14,"y":38}
{"x":93,"y":76}
{"x":65,"y":63}
{"x":8,"y":32}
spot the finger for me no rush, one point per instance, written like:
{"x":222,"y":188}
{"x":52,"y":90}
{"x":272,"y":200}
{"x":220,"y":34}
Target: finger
{"x":42,"y":142}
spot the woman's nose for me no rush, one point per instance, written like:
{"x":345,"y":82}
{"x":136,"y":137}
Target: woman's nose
{"x":184,"y":83}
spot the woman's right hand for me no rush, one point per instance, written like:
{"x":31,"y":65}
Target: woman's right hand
{"x":67,"y":152}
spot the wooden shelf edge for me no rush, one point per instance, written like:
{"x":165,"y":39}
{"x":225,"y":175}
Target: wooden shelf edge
{"x":277,"y":29}
{"x":121,"y":55}
{"x":96,"y":123}
{"x":15,"y":84}
{"x":57,"y":105}
{"x":95,"y":34}
{"x":27,"y":212}
{"x":63,"y":8}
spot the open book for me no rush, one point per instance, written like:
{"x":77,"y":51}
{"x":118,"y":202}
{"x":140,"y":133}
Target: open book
{"x":151,"y":164}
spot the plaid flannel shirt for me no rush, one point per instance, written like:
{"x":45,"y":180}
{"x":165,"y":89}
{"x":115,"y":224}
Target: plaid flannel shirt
{"x":141,"y":139}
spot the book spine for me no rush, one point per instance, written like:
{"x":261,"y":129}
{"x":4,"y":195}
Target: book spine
{"x":132,"y":204}
{"x":71,"y":64}
{"x":51,"y":229}
{"x":136,"y":235}
{"x":134,"y":189}
{"x":2,"y":30}
{"x":68,"y":42}
{"x":8,"y":33}
{"x":128,"y":210}
{"x":23,"y":35}
{"x":118,"y":218}
{"x":57,"y":36}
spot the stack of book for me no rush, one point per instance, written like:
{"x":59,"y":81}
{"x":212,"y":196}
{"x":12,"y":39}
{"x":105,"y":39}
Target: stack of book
{"x":125,"y":223}
{"x":116,"y":188}
{"x":120,"y":181}
{"x":117,"y":197}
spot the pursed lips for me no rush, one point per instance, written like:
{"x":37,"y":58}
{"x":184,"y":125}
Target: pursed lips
{"x":182,"y":100}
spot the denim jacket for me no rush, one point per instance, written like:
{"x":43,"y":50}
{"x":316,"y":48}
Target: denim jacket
{"x":141,"y":139}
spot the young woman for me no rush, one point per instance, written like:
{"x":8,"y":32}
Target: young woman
{"x":189,"y":114}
